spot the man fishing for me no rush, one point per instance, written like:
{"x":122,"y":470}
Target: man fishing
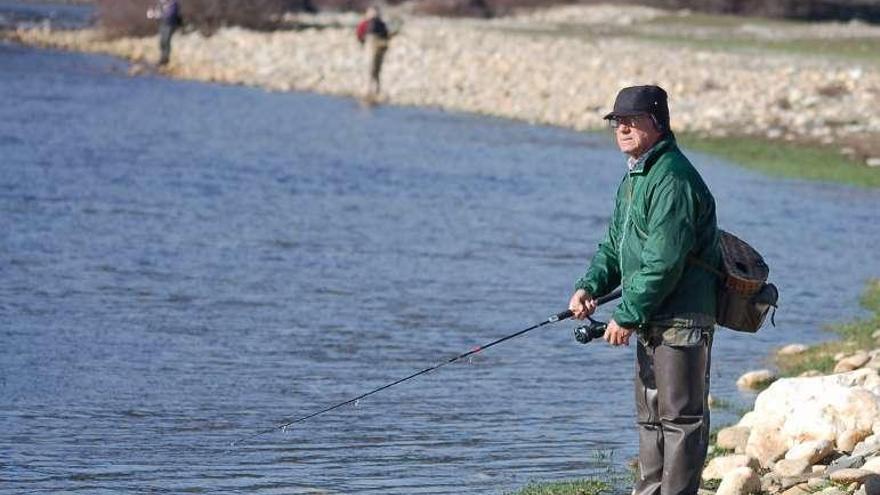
{"x":372,"y":32}
{"x":168,"y":13}
{"x":664,"y":217}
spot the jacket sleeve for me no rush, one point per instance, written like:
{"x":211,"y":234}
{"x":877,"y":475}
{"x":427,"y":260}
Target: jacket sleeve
{"x":671,"y":235}
{"x":603,"y":274}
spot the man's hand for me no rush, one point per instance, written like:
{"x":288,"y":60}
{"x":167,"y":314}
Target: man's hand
{"x":616,"y":334}
{"x":581,"y":304}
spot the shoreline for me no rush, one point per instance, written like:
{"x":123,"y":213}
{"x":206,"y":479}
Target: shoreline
{"x":499,"y":68}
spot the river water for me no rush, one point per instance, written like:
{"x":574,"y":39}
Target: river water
{"x":183,"y":264}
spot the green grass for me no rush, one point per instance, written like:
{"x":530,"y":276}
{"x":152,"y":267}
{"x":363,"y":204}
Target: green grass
{"x":573,"y":487}
{"x":856,"y":335}
{"x":612,"y":476}
{"x":782,"y":159}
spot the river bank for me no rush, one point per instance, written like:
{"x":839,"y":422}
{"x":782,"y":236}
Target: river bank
{"x":812,"y":85}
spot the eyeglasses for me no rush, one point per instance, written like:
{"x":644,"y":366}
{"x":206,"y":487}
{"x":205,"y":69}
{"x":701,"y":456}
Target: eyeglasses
{"x":632,"y":121}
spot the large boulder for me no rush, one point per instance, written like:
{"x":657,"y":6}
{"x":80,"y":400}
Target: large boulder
{"x":797,"y":410}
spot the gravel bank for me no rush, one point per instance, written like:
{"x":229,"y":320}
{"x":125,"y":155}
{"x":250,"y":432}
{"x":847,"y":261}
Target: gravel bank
{"x":555,"y":67}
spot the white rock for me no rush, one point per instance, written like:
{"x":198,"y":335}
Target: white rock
{"x":873,"y":162}
{"x":791,"y":349}
{"x":801,"y":409}
{"x":787,"y":468}
{"x":812,"y":451}
{"x":853,"y":362}
{"x":755,"y":379}
{"x":873,"y":465}
{"x":733,"y":438}
{"x":848,"y":439}
{"x":767,"y":444}
{"x":740,"y":481}
{"x":720,"y":466}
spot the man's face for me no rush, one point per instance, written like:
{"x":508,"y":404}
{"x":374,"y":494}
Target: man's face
{"x":635,"y":135}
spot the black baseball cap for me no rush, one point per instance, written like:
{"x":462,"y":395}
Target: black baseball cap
{"x":641,"y":100}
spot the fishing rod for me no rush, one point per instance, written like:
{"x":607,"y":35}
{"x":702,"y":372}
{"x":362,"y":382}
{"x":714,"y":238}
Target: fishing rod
{"x":583,"y":334}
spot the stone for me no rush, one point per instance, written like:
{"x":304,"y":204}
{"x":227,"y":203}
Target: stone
{"x":766,"y":444}
{"x":872,"y":464}
{"x":867,"y":447}
{"x":831,"y":490}
{"x":740,"y":481}
{"x":733,"y":438}
{"x":846,"y":462}
{"x":801,"y":489}
{"x":850,"y":475}
{"x":872,"y":484}
{"x":848,"y":439}
{"x":791,"y":350}
{"x":853,"y":362}
{"x":787,"y":468}
{"x":796,"y":410}
{"x":873,"y":162}
{"x":718,"y":467}
{"x":813,"y":451}
{"x":753,"y":380}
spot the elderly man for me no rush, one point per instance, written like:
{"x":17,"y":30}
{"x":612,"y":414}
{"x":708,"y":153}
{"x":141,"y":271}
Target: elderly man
{"x":663,"y":222}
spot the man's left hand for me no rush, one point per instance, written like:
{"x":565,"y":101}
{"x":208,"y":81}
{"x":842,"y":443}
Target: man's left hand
{"x":616,"y":334}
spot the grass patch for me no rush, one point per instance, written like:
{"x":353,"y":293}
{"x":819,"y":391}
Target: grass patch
{"x":856,"y":335}
{"x":574,"y":487}
{"x":794,"y":160}
{"x":607,"y":482}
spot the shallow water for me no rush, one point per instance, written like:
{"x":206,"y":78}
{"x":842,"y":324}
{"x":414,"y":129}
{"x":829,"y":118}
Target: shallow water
{"x":184,"y":264}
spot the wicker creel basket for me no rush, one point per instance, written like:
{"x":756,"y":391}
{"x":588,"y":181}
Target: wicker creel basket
{"x":745,"y":268}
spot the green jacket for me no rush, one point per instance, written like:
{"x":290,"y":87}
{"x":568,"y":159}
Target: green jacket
{"x":663,"y":213}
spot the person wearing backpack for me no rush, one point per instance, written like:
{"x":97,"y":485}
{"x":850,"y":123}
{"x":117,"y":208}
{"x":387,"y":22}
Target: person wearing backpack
{"x":664,"y":217}
{"x":372,"y":32}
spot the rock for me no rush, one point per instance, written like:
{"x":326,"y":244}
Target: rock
{"x":766,"y":444}
{"x":853,"y":362}
{"x":848,"y":439}
{"x":720,"y":466}
{"x":831,"y":490}
{"x":753,"y":380}
{"x":867,"y":447}
{"x":801,"y":489}
{"x":796,"y":410}
{"x":872,"y":464}
{"x":845,"y":462}
{"x":733,"y":438}
{"x":873,"y":162}
{"x":813,"y":451}
{"x":809,"y":373}
{"x":740,"y":481}
{"x":787,"y":468}
{"x":850,"y":475}
{"x":770,"y":483}
{"x":791,"y":350}
{"x":872,"y":484}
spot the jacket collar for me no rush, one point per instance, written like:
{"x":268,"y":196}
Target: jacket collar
{"x":644,"y":162}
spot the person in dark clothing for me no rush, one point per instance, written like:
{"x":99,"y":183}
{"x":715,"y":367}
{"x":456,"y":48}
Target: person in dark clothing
{"x":664,"y":218}
{"x":372,"y":32}
{"x":168,"y":13}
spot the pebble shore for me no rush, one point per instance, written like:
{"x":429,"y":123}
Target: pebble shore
{"x":557,"y":67}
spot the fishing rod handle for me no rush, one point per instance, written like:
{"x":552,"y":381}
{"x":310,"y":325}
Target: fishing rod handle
{"x":599,"y":301}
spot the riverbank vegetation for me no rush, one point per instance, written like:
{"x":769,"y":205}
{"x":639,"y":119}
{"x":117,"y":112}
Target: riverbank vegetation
{"x":788,"y":159}
{"x":857,"y":335}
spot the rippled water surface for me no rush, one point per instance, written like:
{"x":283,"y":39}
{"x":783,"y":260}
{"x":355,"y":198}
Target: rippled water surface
{"x":183,"y":264}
